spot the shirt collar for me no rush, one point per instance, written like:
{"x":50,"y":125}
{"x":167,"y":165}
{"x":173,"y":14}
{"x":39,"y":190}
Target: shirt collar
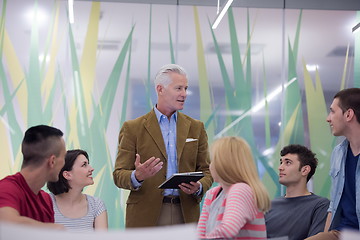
{"x":159,"y":114}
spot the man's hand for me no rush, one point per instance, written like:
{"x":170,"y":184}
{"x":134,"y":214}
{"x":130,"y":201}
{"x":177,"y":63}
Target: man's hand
{"x":148,"y":168}
{"x":191,"y":188}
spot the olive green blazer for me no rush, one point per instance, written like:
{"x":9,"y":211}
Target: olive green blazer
{"x":143,"y":136}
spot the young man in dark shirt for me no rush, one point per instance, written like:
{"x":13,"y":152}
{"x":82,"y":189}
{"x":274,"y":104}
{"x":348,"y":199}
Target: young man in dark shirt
{"x":300,"y":213}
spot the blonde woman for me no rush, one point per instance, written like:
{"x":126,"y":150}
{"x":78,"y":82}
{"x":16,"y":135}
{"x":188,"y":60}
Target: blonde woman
{"x":78,"y":212}
{"x":235,"y":208}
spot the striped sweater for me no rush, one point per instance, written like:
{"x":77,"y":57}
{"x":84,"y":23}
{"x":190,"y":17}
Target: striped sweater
{"x":236,"y":216}
{"x":83,"y":224}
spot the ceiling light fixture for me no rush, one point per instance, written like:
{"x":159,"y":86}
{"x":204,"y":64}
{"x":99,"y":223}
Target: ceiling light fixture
{"x":312,"y":67}
{"x":71,"y":11}
{"x":36,"y":15}
{"x":222,"y":13}
{"x":356,"y":28}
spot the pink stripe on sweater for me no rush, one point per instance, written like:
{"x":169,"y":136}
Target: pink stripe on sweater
{"x":254,"y":227}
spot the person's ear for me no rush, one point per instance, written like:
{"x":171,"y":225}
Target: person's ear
{"x":51,"y":161}
{"x":349,"y":114}
{"x":305,"y":170}
{"x":66,"y":175}
{"x":159,"y":88}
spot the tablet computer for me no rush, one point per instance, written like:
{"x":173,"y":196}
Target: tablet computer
{"x":177,"y":178}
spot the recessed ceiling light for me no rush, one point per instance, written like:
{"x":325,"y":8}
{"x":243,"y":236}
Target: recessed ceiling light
{"x":43,"y":58}
{"x":38,"y":15}
{"x":312,"y":67}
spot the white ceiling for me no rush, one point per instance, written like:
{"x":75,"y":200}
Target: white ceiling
{"x":289,"y":4}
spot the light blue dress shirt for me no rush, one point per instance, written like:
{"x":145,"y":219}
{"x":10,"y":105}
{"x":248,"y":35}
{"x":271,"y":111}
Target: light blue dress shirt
{"x":168,"y":130}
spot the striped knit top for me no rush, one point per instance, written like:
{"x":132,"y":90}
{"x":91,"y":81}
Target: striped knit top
{"x":231,"y":216}
{"x":84,"y":224}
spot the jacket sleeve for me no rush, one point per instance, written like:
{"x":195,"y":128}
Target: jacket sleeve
{"x":125,"y":159}
{"x":203,"y":161}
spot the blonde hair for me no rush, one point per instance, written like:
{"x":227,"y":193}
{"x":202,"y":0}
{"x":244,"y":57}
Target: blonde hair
{"x":233,"y":162}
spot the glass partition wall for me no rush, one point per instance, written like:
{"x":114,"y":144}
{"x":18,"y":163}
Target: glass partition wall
{"x":267,"y":75}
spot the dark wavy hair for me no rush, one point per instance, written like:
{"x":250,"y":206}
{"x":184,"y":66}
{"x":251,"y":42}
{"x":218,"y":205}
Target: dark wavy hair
{"x":305,"y":155}
{"x":62,"y":185}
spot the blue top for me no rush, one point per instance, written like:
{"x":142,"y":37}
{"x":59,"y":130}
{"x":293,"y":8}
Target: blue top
{"x":337,"y":174}
{"x":347,"y":203}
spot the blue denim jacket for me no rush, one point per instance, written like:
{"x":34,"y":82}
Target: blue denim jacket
{"x":337,"y":174}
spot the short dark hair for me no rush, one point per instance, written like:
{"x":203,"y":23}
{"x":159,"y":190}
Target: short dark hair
{"x":349,"y":99}
{"x":39,"y":143}
{"x":62,"y":185}
{"x":305,"y":155}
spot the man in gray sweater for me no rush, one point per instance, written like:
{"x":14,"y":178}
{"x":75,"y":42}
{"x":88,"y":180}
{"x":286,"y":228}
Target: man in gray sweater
{"x":300,"y":213}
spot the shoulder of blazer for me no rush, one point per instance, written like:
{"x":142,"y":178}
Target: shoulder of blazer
{"x":142,"y":118}
{"x":192,"y":120}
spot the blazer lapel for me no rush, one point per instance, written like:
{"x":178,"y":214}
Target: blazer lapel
{"x":182,"y":130}
{"x":153,"y":128}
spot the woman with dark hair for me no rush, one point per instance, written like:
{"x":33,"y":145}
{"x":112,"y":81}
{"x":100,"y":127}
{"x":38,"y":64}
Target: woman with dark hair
{"x":77,"y":211}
